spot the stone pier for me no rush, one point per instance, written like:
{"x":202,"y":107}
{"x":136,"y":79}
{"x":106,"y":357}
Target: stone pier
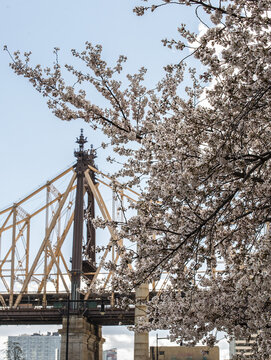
{"x":141,"y":340}
{"x":85,"y":339}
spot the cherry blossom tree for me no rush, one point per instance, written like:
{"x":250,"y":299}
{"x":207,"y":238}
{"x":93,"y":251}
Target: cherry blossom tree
{"x":207,"y":160}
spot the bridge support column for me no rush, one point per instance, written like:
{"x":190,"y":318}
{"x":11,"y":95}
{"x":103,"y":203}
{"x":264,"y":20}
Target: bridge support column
{"x":141,"y":340}
{"x":84,"y":340}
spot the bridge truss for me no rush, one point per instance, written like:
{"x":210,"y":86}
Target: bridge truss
{"x":48,"y":260}
{"x":43,"y":232}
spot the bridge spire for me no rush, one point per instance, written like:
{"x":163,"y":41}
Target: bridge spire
{"x":81,"y":141}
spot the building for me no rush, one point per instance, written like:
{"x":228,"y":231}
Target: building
{"x":110,"y":354}
{"x":241,"y":346}
{"x":185,"y":353}
{"x":37,"y":346}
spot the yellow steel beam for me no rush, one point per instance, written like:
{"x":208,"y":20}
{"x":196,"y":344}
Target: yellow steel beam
{"x":37,"y":211}
{"x":12,"y":277}
{"x":107,"y":185}
{"x":110,"y":273}
{"x":57,"y":266}
{"x":45,"y":248}
{"x":45,"y":241}
{"x":113,"y":180}
{"x":163,"y":285}
{"x":10,"y":249}
{"x":27,"y":248}
{"x":57,"y":257}
{"x":103,"y":211}
{"x":38,"y":190}
{"x":57,"y":250}
{"x":5,"y":222}
{"x":39,"y":274}
{"x":2,"y":301}
{"x":107,"y":217}
{"x":98,"y":269}
{"x":64,"y":263}
{"x":2,"y":277}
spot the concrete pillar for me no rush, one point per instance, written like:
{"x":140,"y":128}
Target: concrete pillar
{"x":85,"y":339}
{"x":141,"y":340}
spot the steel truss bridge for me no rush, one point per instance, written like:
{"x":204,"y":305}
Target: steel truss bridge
{"x":49,"y":267}
{"x":41,"y":234}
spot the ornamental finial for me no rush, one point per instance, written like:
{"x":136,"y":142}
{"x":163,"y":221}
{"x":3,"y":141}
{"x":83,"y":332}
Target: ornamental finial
{"x":81,"y":141}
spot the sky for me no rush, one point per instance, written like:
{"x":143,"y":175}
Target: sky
{"x":34,"y":144}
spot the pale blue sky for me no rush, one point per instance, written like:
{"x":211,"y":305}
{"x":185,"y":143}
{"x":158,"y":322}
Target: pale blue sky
{"x":34,"y":145}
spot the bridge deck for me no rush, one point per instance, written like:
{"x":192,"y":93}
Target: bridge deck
{"x":54,"y":316}
{"x":31,"y":312}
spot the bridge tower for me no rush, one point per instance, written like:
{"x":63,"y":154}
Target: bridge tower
{"x":36,"y":284}
{"x":80,"y":339}
{"x":84,"y":159}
